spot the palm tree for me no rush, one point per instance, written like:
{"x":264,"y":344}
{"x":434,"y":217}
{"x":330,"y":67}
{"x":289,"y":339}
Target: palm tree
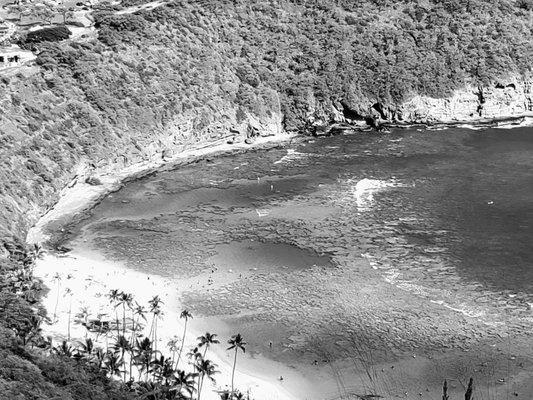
{"x":87,"y":348}
{"x":143,"y":352}
{"x":114,"y":296}
{"x":84,"y":315}
{"x":236,"y":342}
{"x":124,"y":299}
{"x":155,"y":308}
{"x":69,"y":293}
{"x":204,"y":368}
{"x":172,"y":345}
{"x":162,"y":369}
{"x":139,"y":312}
{"x":64,"y":350}
{"x":100,"y":357}
{"x":122,"y":345}
{"x":194,"y":353}
{"x":186,"y":382}
{"x":238,"y":396}
{"x":57,"y":278}
{"x":207,"y":340}
{"x":112,"y":364}
{"x":186,"y":315}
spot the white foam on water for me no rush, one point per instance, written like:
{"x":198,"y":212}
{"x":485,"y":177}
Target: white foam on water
{"x":472,"y":127}
{"x":526,"y":121}
{"x":291,"y":155}
{"x":393,"y":277}
{"x":364,"y":191}
{"x":462,"y":308}
{"x":262,"y":212}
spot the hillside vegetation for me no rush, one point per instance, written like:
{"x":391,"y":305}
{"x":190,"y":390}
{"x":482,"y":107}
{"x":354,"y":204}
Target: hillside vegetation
{"x":157,"y":81}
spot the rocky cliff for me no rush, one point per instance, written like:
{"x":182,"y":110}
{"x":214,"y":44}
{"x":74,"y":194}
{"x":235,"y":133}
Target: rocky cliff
{"x":500,"y":100}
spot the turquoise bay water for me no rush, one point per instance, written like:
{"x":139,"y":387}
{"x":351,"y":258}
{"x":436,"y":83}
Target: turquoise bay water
{"x":308,"y":231}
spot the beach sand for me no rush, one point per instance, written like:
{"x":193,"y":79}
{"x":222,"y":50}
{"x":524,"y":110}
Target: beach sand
{"x":85,"y":281}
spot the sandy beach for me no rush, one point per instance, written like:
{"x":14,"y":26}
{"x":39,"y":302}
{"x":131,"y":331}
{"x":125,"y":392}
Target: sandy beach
{"x":85,"y":282}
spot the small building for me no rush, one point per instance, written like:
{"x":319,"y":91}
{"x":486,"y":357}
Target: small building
{"x":14,"y":56}
{"x":4,"y":29}
{"x":9,"y":59}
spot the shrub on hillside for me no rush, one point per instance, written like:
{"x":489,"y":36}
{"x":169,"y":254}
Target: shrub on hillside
{"x":83,"y":380}
{"x":52,"y":55}
{"x":114,"y":28}
{"x":525,"y":4}
{"x":51,"y":34}
{"x":17,"y":315}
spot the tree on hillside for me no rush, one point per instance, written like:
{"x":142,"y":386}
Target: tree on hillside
{"x":66,"y":12}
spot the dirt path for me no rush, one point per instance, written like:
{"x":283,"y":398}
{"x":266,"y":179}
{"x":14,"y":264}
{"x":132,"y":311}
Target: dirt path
{"x":147,"y":6}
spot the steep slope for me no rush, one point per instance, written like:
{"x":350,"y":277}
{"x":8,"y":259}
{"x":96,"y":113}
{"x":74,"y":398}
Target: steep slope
{"x":186,"y":72}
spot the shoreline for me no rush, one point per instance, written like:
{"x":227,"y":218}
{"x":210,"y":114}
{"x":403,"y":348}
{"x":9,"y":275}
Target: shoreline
{"x":78,"y":197}
{"x":85,"y":271}
{"x":526,"y":119}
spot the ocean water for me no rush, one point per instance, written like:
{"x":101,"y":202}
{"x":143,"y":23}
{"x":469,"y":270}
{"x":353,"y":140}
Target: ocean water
{"x":380,"y":236}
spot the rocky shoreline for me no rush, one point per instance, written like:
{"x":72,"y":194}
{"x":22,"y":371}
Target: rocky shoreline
{"x":94,"y":184}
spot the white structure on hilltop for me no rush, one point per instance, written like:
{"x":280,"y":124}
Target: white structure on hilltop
{"x":14,"y":56}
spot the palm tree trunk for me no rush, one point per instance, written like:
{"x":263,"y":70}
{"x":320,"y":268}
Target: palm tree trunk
{"x":182,"y":343}
{"x":124,"y":361}
{"x":130,"y":352}
{"x":155,"y":335}
{"x":200,"y":384}
{"x":57,"y":297}
{"x":86,"y":330}
{"x":69,"y":316}
{"x":116,"y":321}
{"x":233,"y":372}
{"x":133,"y":328}
{"x":151,"y":328}
{"x":123,"y":319}
{"x":148,"y":366}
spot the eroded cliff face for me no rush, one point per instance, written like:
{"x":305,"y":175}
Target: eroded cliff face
{"x":509,"y":99}
{"x":472,"y":104}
